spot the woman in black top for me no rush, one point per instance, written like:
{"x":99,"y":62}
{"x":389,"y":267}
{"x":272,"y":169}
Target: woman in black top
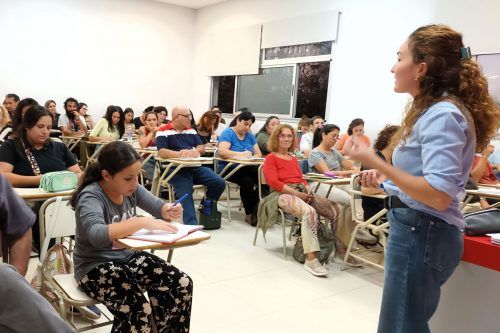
{"x":25,"y":159}
{"x":384,"y":146}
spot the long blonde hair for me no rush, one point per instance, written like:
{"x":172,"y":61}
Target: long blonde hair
{"x":451,"y":78}
{"x":5,"y":118}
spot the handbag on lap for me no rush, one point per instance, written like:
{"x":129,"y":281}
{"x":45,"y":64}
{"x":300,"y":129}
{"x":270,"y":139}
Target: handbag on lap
{"x":52,"y":181}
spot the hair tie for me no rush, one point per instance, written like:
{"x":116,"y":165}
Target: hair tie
{"x":465,"y":53}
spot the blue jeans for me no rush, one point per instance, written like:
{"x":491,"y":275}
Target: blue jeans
{"x":183,"y":183}
{"x":421,"y":254}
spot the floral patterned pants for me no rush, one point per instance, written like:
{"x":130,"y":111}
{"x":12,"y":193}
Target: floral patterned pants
{"x":120,"y":287}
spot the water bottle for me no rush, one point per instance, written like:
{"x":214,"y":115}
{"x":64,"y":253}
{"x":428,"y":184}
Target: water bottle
{"x":129,"y":133}
{"x":207,"y":207}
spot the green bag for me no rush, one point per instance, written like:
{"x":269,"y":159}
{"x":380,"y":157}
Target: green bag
{"x":59,"y":181}
{"x":326,"y":239}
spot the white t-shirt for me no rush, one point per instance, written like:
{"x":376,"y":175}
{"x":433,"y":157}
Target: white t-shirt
{"x":306,"y":142}
{"x":64,"y":121}
{"x":220,"y":128}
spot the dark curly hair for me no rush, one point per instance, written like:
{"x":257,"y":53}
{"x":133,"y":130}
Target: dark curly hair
{"x":385,"y":136}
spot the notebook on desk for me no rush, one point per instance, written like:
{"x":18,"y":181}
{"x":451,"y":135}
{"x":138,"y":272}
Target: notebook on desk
{"x":162,"y":236}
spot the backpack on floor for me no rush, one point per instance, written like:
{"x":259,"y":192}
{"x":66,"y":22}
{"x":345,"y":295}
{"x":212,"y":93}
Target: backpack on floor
{"x":326,"y":239}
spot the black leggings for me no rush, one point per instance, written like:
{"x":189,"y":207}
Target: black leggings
{"x":247,"y":179}
{"x":120,"y":288}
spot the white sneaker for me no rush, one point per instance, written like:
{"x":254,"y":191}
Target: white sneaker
{"x":363,"y":236}
{"x":315,"y":268}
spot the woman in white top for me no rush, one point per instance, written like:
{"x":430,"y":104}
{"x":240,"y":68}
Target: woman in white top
{"x":307,"y":139}
{"x":110,"y":127}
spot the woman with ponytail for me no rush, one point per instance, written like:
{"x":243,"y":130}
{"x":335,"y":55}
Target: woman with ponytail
{"x":105,"y":209}
{"x":451,"y":116}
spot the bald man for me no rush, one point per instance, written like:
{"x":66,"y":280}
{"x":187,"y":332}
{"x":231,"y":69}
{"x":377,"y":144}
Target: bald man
{"x":178,"y":139}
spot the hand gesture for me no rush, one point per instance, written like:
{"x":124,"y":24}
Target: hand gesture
{"x":371,"y":178}
{"x":358,"y":150}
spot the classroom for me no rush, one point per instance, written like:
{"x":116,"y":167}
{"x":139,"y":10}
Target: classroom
{"x":315,"y":161}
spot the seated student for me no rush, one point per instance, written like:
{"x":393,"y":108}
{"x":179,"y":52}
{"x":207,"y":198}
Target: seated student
{"x":303,"y":127}
{"x":206,"y":127}
{"x":23,"y":309}
{"x":384,"y":146}
{"x":21,"y":109}
{"x":71,"y":123}
{"x":292,"y":194}
{"x":82,"y":110}
{"x":221,"y":122}
{"x":306,"y":141}
{"x":52,"y":107}
{"x":16,"y":220}
{"x":237,"y":141}
{"x":265,"y":132}
{"x":105,"y":210}
{"x":356,"y":129}
{"x":147,"y":138}
{"x":482,"y":171}
{"x":139,"y":121}
{"x":128,"y":120}
{"x":178,"y":139}
{"x":162,"y":113}
{"x":5,"y":123}
{"x":10,"y":103}
{"x":110,"y":127}
{"x":324,"y":158}
{"x":25,"y":159}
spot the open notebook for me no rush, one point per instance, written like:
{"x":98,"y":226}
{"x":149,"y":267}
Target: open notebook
{"x":161,"y":236}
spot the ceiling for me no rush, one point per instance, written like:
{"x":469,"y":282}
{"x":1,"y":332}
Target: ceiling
{"x":194,"y":4}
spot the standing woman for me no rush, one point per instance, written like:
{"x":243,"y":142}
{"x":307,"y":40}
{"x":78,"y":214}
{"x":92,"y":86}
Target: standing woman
{"x":105,"y":210}
{"x":110,"y":127}
{"x":450,"y":116}
{"x":238,"y":142}
{"x":265,"y":132}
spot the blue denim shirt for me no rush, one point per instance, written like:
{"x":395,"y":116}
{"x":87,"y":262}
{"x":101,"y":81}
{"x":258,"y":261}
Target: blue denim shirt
{"x":440,"y":148}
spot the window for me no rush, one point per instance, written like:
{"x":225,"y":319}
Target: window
{"x":295,"y":51}
{"x":270,"y":92}
{"x":223,"y":93}
{"x":292,"y":82}
{"x":312,"y":89}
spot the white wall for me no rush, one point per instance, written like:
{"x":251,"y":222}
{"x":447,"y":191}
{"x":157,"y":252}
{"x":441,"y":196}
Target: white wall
{"x":370,"y":33}
{"x":123,"y":52}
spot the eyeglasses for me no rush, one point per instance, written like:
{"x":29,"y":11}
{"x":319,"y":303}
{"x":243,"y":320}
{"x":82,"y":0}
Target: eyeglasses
{"x":185,"y":115}
{"x":285,"y":136}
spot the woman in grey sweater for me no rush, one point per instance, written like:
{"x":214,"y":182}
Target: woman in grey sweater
{"x":105,"y":208}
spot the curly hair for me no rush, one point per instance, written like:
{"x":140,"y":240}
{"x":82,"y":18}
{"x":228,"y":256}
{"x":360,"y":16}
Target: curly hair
{"x":274,"y":143}
{"x":450,"y":78}
{"x":385,"y":137}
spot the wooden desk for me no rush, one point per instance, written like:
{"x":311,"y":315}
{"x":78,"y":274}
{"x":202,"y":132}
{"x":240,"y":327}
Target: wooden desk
{"x":71,"y":141}
{"x":234,"y":165}
{"x":35,"y":193}
{"x":483,"y":192}
{"x":190,"y":240}
{"x":161,"y":178}
{"x":314,"y":177}
{"x":95,"y":154}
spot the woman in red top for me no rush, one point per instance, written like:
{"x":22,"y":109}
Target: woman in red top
{"x":147,"y":138}
{"x":284,"y":175}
